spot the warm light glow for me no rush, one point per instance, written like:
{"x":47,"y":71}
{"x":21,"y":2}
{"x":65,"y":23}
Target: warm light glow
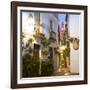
{"x":62,"y":48}
{"x":28,"y":27}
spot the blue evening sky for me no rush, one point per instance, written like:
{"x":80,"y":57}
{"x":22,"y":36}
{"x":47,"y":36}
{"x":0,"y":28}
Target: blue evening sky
{"x":61,"y":18}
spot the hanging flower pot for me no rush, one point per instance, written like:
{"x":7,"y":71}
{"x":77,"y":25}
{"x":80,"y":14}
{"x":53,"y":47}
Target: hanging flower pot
{"x":75,"y":43}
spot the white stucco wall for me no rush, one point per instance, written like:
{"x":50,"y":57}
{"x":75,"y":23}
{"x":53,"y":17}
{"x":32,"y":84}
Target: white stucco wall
{"x":74,"y":29}
{"x":45,"y":21}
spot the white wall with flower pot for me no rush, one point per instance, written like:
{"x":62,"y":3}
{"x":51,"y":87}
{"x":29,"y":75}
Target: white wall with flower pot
{"x":74,"y":27}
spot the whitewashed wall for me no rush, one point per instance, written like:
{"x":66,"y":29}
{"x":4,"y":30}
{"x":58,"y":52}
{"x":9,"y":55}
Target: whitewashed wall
{"x":74,"y":29}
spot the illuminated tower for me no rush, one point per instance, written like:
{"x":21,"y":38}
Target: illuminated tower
{"x":62,"y":34}
{"x":64,"y":49}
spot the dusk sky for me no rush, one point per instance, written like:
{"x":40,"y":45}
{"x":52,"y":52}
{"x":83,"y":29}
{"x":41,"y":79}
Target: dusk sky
{"x":61,"y":18}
